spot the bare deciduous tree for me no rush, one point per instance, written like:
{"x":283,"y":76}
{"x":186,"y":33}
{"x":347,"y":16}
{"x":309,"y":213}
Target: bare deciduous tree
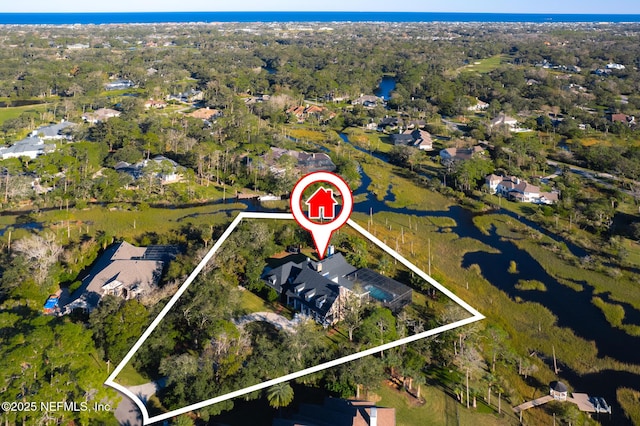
{"x":41,"y":252}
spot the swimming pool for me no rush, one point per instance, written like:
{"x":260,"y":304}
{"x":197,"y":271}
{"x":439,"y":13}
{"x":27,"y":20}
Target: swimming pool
{"x":378,"y":293}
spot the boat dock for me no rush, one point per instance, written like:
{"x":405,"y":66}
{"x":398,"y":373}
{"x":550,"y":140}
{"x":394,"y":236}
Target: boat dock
{"x":585,"y":403}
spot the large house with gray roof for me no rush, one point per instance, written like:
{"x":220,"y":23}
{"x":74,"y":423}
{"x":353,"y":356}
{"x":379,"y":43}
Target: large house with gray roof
{"x":322,"y":289}
{"x":517,"y":189}
{"x":123,"y":270}
{"x":57,"y":131}
{"x":31,"y":147}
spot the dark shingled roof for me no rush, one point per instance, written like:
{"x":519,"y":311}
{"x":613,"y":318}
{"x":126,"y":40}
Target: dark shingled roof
{"x":558,"y":386}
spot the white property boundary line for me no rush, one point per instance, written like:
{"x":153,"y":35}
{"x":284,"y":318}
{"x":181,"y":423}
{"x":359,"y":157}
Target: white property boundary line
{"x":476,"y":316}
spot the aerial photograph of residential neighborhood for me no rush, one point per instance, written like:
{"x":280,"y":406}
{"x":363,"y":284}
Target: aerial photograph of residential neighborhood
{"x":362,"y":214}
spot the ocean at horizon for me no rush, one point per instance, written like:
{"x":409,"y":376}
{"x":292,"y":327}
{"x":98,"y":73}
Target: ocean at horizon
{"x":184,"y":17}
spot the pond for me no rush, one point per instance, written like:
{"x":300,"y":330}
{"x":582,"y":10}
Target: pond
{"x":36,"y":226}
{"x":21,"y":102}
{"x":386,"y":86}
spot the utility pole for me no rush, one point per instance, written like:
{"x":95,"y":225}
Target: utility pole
{"x":429,"y":254}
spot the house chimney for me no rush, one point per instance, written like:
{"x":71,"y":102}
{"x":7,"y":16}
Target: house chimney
{"x":319,"y":266}
{"x":373,"y":417}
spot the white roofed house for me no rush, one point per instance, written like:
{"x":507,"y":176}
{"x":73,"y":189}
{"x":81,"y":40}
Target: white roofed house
{"x":516,"y":189}
{"x":159,"y":167}
{"x":478,"y":106}
{"x":504,"y":120}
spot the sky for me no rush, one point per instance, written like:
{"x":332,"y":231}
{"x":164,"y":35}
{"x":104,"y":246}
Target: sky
{"x":489,"y":6}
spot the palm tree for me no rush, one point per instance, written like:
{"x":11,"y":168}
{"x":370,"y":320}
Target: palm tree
{"x":280,"y":395}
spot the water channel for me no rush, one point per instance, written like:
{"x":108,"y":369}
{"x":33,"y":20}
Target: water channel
{"x":573,"y":309}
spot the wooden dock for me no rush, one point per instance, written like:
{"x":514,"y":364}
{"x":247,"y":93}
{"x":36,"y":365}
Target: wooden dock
{"x":534,"y":403}
{"x":582,"y":400}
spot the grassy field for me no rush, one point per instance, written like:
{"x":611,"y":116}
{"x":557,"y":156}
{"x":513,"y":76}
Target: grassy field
{"x":630,"y":401}
{"x":13,"y":112}
{"x":407,"y":193}
{"x":129,"y":222}
{"x":372,"y":141}
{"x":484,"y":66}
{"x":250,"y":302}
{"x":439,"y":409}
{"x":130,"y":377}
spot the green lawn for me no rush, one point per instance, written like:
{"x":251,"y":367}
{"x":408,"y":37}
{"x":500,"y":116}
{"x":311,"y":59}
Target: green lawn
{"x":13,"y":112}
{"x":438,"y":409}
{"x":249,"y":302}
{"x":484,"y":66}
{"x":130,"y":377}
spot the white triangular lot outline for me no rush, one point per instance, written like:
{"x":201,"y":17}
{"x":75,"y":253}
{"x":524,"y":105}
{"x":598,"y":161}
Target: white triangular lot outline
{"x":475,"y":316}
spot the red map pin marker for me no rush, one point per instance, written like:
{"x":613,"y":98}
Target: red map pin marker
{"x":321,"y":205}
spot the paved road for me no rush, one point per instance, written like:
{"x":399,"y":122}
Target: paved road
{"x":128,"y":413}
{"x":593,"y":175}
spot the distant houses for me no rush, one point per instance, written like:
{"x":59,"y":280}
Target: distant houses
{"x":516,"y":189}
{"x":155,"y":104}
{"x":478,"y":106}
{"x":367,"y":101}
{"x":34,"y":145}
{"x":100,"y":115}
{"x":187,"y":97}
{"x":119,"y":84}
{"x":629,"y":120}
{"x":205,"y":114}
{"x":165,"y":170}
{"x":124,"y":271}
{"x":504,"y":120}
{"x":417,"y":138}
{"x":31,"y":147}
{"x":450,"y":155}
{"x":322,"y":289}
{"x":306,"y":162}
{"x":58,"y":131}
{"x":302,"y":113}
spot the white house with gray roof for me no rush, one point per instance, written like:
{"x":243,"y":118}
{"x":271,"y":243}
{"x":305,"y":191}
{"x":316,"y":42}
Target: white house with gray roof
{"x":516,"y":189}
{"x":28,"y":147}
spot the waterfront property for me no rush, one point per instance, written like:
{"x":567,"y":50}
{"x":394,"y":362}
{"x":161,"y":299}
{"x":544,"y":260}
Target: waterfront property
{"x":558,"y":391}
{"x":323,"y":289}
{"x":417,"y":138}
{"x":162,"y":168}
{"x":516,"y":189}
{"x":307,"y":162}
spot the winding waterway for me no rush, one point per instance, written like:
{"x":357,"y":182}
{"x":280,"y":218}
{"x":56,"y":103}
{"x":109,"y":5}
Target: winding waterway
{"x":573,"y":309}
